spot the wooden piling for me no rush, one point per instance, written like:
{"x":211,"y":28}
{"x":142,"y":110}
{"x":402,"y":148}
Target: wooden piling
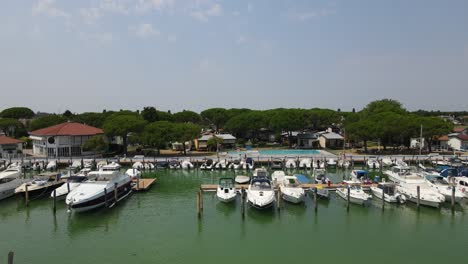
{"x":11,"y":255}
{"x":55,"y":201}
{"x":198,"y":205}
{"x":201,"y":200}
{"x":315,"y":199}
{"x":68,"y":187}
{"x":26,"y":194}
{"x":278,"y":202}
{"x":115,"y":192}
{"x":453,"y":197}
{"x":348,"y":197}
{"x":105,"y":197}
{"x":418,"y":189}
{"x":383,"y":198}
{"x":243,"y":202}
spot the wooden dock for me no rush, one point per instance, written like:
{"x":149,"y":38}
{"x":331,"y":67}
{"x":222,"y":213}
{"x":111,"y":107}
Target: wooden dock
{"x":331,"y":187}
{"x":143,"y":184}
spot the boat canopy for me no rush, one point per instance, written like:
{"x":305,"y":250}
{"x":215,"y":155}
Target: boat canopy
{"x":226,"y":183}
{"x":302,"y":178}
{"x":361,"y":173}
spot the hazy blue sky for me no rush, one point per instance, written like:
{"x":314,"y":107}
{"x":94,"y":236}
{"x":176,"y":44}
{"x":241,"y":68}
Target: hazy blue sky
{"x":90,"y":55}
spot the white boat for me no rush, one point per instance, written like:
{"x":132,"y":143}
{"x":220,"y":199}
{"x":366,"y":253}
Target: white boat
{"x":260,"y":193}
{"x":52,"y":165}
{"x":10,"y":179}
{"x":248,"y":164}
{"x":260,"y":172}
{"x":461,"y":184}
{"x":113,"y":166}
{"x":100,"y":164}
{"x":76,"y":165}
{"x":174,"y":164}
{"x":148,"y":166}
{"x":344,"y":163}
{"x":322,"y":164}
{"x":290,"y":164}
{"x":401,"y":163}
{"x":221,"y":165}
{"x":408,"y":182}
{"x":439,"y":184}
{"x":388,"y":189}
{"x":37,"y":166}
{"x":235,"y":165}
{"x":100,"y":191}
{"x":133,"y":173}
{"x":226,"y":191}
{"x":361,"y":176}
{"x":373,"y":163}
{"x":88,"y":163}
{"x":277,"y":177}
{"x":277,"y":164}
{"x":387,"y":161}
{"x":187,"y":165}
{"x":41,"y":184}
{"x":291,"y":191}
{"x":331,"y":162}
{"x":208,"y":165}
{"x":72,"y":183}
{"x":356,"y":194}
{"x":138,"y":165}
{"x":316,"y":164}
{"x":320,"y":176}
{"x":241,"y":179}
{"x":305,"y":164}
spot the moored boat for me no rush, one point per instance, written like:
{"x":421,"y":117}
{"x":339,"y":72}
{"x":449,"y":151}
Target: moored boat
{"x":388,"y":190}
{"x":226,"y":191}
{"x":356,"y":194}
{"x":260,"y":193}
{"x":41,"y":185}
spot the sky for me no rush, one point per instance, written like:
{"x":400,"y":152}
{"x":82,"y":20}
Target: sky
{"x":91,"y":55}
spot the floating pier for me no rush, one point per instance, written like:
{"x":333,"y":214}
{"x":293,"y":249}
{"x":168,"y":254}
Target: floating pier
{"x":143,"y":184}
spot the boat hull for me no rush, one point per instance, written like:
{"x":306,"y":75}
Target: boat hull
{"x":100,"y":200}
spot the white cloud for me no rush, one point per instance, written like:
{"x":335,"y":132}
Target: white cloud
{"x":90,"y":15}
{"x":46,"y":7}
{"x":115,"y":6}
{"x":313,"y":14}
{"x":148,"y":5}
{"x":203,"y":15}
{"x":146,"y":30}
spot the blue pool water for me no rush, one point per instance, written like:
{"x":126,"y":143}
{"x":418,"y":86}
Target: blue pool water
{"x":282,"y":152}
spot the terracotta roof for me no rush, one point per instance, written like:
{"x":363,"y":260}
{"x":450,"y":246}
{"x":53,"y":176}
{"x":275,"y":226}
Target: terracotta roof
{"x":443,"y":138}
{"x":463,"y":137}
{"x":458,"y":129}
{"x":68,"y":129}
{"x":4,"y":140}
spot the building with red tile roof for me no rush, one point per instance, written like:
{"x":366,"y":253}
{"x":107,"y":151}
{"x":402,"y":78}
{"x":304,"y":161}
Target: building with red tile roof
{"x":9,"y":145}
{"x":62,"y":140}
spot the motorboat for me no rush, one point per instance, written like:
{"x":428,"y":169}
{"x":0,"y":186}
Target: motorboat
{"x":343,"y":163}
{"x":290,"y":164}
{"x":241,"y":179}
{"x":148,"y":166}
{"x":260,"y":193}
{"x":37,"y":166}
{"x":461,"y":184}
{"x":401,"y":163}
{"x":331,"y":162}
{"x":221,"y":165}
{"x":408,"y":182}
{"x":388,"y":189}
{"x":88,"y":163}
{"x":291,"y":190}
{"x":356,"y":194}
{"x":41,"y":184}
{"x":387,"y":161}
{"x":76,"y":165}
{"x":174,"y":164}
{"x":235,"y":165}
{"x":320,"y":176}
{"x":133,"y":173}
{"x":101,"y":191}
{"x":455,"y":162}
{"x":316,"y":164}
{"x":226,"y":191}
{"x":373,"y":163}
{"x":52,"y":165}
{"x":260,"y":172}
{"x":439,"y":184}
{"x":102,"y":163}
{"x":277,"y":164}
{"x":138,"y":165}
{"x":208,"y":165}
{"x":72,"y":183}
{"x":305,"y":164}
{"x":113,"y":166}
{"x":10,"y":179}
{"x":187,"y":165}
{"x":162,"y":164}
{"x":277,"y":177}
{"x":322,"y":164}
{"x":361,"y":176}
{"x":249,"y":164}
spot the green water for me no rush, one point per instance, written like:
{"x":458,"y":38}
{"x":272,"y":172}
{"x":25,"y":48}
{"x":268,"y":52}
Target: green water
{"x":161,"y":226}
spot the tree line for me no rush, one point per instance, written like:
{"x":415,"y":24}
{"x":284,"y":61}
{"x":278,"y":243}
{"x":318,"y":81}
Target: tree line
{"x":384,"y":120}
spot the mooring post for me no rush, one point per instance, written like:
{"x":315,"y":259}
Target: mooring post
{"x":198,"y":205}
{"x":201,"y":200}
{"x":55,"y":201}
{"x":348,"y":197}
{"x":11,"y":254}
{"x":383,"y":197}
{"x":453,"y":197}
{"x":105,"y":197}
{"x":115,"y":192}
{"x":418,"y":189}
{"x":243,"y":202}
{"x":278,"y":203}
{"x":68,"y":187}
{"x":26,"y":194}
{"x":315,"y":199}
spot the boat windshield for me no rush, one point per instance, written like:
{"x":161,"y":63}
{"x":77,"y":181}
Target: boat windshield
{"x":355,"y":187}
{"x":261,"y":186}
{"x":226,"y":183}
{"x":5,"y":180}
{"x":261,"y":173}
{"x":291,"y":183}
{"x":76,"y":179}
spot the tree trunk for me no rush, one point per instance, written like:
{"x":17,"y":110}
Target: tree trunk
{"x":185,"y":151}
{"x":365,"y":146}
{"x":124,"y":142}
{"x":290,"y":139}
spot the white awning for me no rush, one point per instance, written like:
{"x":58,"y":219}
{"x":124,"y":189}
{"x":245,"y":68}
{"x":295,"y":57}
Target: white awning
{"x":35,"y":138}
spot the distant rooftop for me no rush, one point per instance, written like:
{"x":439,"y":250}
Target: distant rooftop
{"x":68,"y":129}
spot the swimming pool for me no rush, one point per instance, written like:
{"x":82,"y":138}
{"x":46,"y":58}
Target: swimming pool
{"x":278,"y":152}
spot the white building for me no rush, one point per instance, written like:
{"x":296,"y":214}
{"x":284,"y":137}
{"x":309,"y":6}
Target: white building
{"x":63,"y":140}
{"x":329,"y":139}
{"x":458,"y":141}
{"x":9,"y":146}
{"x":229,"y":141}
